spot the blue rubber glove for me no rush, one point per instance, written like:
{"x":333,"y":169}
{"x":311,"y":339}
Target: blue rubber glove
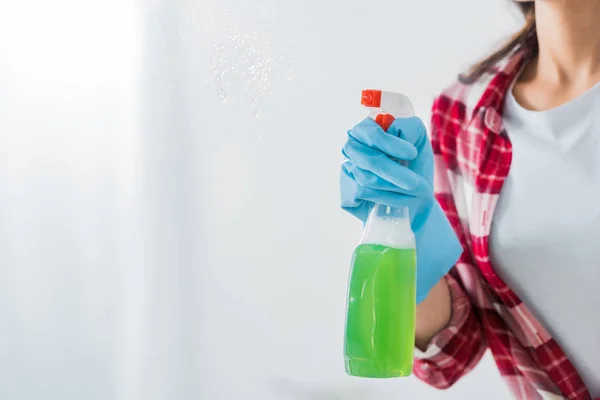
{"x":371,"y":174}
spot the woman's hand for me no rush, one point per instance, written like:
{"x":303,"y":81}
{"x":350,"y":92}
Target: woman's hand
{"x":371,"y":174}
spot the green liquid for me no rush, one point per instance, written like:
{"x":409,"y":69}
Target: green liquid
{"x":380,"y":322}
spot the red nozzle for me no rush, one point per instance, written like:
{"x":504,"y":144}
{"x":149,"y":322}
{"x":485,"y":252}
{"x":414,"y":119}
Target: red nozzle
{"x":371,"y":98}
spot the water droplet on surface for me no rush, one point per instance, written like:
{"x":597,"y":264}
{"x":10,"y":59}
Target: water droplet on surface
{"x":219,"y":76}
{"x":222,"y":95}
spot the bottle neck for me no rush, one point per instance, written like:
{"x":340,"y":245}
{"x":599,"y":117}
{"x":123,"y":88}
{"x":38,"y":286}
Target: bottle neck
{"x":389,"y":226}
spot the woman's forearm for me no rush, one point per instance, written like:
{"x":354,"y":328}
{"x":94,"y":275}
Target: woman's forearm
{"x":433,"y":314}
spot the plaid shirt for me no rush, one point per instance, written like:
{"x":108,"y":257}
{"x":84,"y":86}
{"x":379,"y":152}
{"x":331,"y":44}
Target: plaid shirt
{"x":472,"y":159}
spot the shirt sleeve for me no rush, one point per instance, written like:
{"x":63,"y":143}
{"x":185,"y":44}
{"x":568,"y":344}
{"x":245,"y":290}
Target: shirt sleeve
{"x":457,"y":349}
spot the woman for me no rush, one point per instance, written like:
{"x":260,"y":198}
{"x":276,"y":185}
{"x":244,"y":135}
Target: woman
{"x":515,"y":148}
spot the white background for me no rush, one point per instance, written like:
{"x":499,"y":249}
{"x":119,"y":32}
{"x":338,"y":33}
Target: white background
{"x":169,"y":222}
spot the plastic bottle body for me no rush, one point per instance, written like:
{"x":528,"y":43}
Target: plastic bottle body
{"x":380,"y":319}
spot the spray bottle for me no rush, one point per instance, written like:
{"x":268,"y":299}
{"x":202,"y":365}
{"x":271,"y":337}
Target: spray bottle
{"x":380,"y":318}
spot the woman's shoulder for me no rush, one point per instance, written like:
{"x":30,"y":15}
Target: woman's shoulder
{"x":454,"y":110}
{"x":460,"y":97}
{"x":463,"y":98}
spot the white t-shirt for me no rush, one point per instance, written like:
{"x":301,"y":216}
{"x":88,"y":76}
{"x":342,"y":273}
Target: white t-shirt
{"x":545,"y":235}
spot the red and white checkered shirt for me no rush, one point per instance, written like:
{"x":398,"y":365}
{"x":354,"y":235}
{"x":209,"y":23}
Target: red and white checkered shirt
{"x":472,"y":159}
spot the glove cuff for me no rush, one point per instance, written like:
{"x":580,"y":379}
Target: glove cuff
{"x":441,"y":250}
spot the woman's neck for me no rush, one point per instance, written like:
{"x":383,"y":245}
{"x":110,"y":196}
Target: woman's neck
{"x":569,"y":42}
